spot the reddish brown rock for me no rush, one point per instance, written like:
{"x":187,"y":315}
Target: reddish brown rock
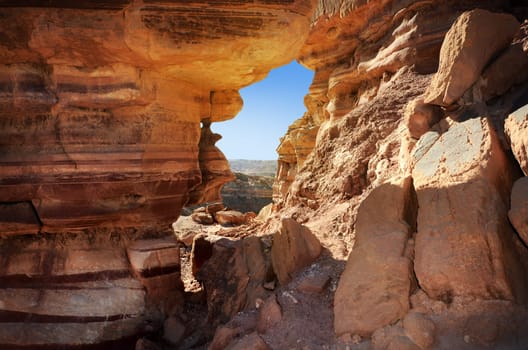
{"x":213,"y":166}
{"x":202,"y":218}
{"x":100,"y":116}
{"x":69,"y":295}
{"x":294,"y":247}
{"x":516,"y":128}
{"x":156,"y":263}
{"x":464,"y":245}
{"x":230,"y":290}
{"x":518,"y":213}
{"x":472,"y":41}
{"x":232,"y":217}
{"x":419,"y":329}
{"x":374,"y":289}
{"x":314,"y":283}
{"x":503,"y":73}
{"x":420,"y":117}
{"x":270,"y":313}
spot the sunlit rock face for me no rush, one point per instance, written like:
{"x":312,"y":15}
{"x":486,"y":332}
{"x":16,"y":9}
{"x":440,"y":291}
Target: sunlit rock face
{"x":101,"y":144}
{"x":101,"y":102}
{"x":375,"y":63}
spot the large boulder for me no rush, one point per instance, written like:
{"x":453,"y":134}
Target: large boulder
{"x":507,"y":70}
{"x":374,"y":289}
{"x":232,"y":273}
{"x":465,"y":245}
{"x":294,"y":247}
{"x":518,"y":213}
{"x":516,"y":128}
{"x":472,"y":41}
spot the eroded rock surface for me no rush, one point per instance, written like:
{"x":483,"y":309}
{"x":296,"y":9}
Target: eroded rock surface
{"x":472,"y":41}
{"x":374,"y":289}
{"x":464,"y":244}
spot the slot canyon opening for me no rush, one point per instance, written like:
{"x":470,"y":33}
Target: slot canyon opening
{"x":250,"y":140}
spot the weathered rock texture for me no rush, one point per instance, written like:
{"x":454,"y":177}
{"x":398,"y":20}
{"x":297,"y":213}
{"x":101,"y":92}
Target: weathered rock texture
{"x":101,"y":103}
{"x":60,"y":296}
{"x":516,"y":127}
{"x":105,"y":108}
{"x":418,"y":89}
{"x":374,"y":289}
{"x":472,"y":41}
{"x":100,"y":112}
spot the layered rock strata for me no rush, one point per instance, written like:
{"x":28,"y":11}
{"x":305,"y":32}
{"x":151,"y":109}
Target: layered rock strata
{"x":101,"y":105}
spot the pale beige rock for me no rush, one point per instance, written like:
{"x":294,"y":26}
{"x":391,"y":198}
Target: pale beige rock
{"x":420,"y":117}
{"x":294,"y":247}
{"x":518,"y":213}
{"x":472,"y":41}
{"x":464,"y":245}
{"x":516,"y":128}
{"x":374,"y":289}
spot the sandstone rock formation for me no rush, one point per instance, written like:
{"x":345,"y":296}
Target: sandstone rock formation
{"x":374,"y":289}
{"x":516,"y":127}
{"x":102,"y":102}
{"x":518,"y":213}
{"x":100,"y":110}
{"x":472,"y":41}
{"x":294,"y":247}
{"x":104,"y":115}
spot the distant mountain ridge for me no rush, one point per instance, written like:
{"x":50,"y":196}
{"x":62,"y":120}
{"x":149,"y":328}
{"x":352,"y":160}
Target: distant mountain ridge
{"x":254,"y":167}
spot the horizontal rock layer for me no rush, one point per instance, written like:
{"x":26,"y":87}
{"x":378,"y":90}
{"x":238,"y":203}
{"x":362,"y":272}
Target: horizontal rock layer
{"x":101,"y":104}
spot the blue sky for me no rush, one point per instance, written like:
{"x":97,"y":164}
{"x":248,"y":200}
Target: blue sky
{"x":270,"y":106}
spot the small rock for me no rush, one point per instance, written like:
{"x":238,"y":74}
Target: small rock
{"x":419,"y":329}
{"x":214,"y":208}
{"x":270,"y":314}
{"x":269,"y":285}
{"x":314,"y":283}
{"x":173,"y":330}
{"x":230,"y":218}
{"x":420,"y":117}
{"x":294,"y":247}
{"x":203,"y":218}
{"x":250,"y":342}
{"x":356,"y":339}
